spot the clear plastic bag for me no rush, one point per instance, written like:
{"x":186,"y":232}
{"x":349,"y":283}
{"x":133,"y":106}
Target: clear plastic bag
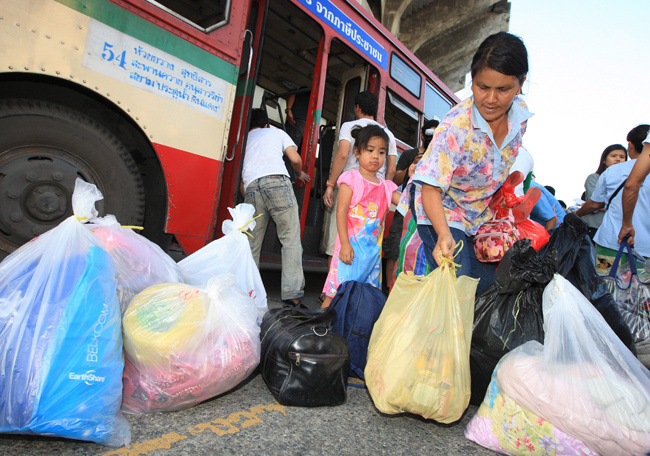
{"x":583,"y":379}
{"x":184,"y":345}
{"x":504,"y":426}
{"x":418,"y":356}
{"x":61,"y":336}
{"x":231,"y":253}
{"x":140,"y":262}
{"x":629,"y":284}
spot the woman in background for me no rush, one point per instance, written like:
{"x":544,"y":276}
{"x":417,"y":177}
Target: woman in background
{"x":612,"y":155}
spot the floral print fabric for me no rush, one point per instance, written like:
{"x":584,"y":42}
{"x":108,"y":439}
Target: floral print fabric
{"x":504,"y":426}
{"x":464,"y":161}
{"x":508,"y":428}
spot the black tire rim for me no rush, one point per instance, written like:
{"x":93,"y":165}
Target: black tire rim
{"x":36,"y":186}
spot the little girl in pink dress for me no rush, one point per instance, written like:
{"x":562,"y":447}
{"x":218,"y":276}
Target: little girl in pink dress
{"x":363,"y":201}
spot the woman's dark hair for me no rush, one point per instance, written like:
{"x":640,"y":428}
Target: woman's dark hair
{"x":602,"y":167}
{"x":637,"y":135}
{"x":502,"y":52}
{"x":363,"y":135}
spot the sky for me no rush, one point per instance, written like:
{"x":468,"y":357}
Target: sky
{"x":588,"y":82}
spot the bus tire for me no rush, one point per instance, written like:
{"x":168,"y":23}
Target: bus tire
{"x":44,"y":147}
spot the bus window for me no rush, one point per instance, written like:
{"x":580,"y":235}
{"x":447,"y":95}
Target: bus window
{"x":435,"y":105}
{"x":205,"y":15}
{"x":401,"y":119}
{"x":405,"y":75}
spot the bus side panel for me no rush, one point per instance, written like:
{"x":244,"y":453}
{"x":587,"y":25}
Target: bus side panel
{"x":190,"y":191}
{"x":190,"y":143}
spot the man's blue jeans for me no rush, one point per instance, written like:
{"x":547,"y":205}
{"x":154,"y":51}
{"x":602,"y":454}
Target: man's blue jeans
{"x":273,"y":197}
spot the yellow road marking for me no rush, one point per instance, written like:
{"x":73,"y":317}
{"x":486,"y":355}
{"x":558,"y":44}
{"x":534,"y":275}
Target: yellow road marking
{"x":219,"y":426}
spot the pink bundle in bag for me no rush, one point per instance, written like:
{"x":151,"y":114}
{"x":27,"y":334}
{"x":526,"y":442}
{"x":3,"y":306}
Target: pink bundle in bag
{"x":140,"y":262}
{"x":184,"y":345}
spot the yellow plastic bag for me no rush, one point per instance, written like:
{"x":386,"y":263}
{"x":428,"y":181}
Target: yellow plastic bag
{"x":418,"y":356}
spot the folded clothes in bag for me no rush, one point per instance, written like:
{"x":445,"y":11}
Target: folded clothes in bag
{"x":60,"y":335}
{"x":184,"y":345}
{"x":583,"y":379}
{"x":504,"y":426}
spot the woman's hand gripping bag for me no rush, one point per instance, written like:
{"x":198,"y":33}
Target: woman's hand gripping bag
{"x":231,"y":253}
{"x":140,"y":262}
{"x":184,"y":345}
{"x":61,"y":336}
{"x":583,"y":379}
{"x":418,"y":356}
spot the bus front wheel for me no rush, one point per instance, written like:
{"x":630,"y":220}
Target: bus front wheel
{"x":44,"y":147}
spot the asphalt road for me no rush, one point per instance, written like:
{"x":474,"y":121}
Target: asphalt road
{"x":248,"y":421}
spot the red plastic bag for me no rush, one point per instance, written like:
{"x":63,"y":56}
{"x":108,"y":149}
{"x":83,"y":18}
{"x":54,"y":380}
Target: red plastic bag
{"x":529,"y":229}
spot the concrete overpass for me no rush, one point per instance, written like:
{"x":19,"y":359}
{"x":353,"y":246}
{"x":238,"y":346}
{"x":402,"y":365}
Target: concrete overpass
{"x":444,"y":34}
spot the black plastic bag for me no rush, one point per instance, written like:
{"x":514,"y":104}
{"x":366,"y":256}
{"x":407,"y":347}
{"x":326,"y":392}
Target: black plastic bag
{"x":509,"y":312}
{"x":574,"y":260}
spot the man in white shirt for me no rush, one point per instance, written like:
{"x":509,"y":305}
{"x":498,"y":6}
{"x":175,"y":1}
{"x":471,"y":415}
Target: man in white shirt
{"x":365,"y":111}
{"x":267,"y":187}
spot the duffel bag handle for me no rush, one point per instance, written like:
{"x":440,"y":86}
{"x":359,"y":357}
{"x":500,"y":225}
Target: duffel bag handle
{"x":301,"y":315}
{"x":312,"y":317}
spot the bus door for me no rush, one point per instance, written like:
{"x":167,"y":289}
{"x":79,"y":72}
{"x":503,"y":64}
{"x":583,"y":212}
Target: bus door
{"x":289,"y":43}
{"x":296,"y":53}
{"x":351,"y":82}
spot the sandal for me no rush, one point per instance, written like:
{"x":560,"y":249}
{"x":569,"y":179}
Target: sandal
{"x":322,"y":297}
{"x":291,"y":303}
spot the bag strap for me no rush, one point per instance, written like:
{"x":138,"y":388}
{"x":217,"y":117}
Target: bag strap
{"x":324,"y":315}
{"x":616,"y":192}
{"x":619,"y":254}
{"x":303,"y":316}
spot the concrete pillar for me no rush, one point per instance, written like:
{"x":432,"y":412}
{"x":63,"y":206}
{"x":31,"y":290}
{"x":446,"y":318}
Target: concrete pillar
{"x":444,"y":34}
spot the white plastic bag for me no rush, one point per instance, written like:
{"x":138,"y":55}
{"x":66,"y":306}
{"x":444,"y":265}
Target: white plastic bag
{"x":583,"y":379}
{"x":184,"y":345}
{"x":140,"y":262}
{"x":61,"y":335}
{"x":231,"y":253}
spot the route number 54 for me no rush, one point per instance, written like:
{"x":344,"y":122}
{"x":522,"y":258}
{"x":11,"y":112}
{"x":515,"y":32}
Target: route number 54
{"x":109,"y":55}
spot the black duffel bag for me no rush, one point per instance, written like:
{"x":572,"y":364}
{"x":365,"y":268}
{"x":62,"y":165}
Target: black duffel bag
{"x":303,"y":362}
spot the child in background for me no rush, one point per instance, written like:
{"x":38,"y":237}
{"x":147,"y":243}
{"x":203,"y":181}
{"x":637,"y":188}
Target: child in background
{"x":363,"y":201}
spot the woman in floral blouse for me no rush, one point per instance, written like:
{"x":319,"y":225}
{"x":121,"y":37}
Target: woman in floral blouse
{"x":470,"y":157}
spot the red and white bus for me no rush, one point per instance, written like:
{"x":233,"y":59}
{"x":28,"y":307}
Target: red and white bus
{"x":149,"y":100}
